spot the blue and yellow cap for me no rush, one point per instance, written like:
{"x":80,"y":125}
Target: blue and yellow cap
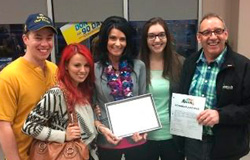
{"x":38,"y":21}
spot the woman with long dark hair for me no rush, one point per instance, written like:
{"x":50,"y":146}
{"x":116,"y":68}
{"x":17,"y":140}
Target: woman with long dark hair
{"x":118,"y":76}
{"x":48,"y":121}
{"x":162,"y":69}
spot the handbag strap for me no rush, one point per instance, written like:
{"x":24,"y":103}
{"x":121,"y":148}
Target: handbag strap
{"x":72,"y":117}
{"x":71,"y":114}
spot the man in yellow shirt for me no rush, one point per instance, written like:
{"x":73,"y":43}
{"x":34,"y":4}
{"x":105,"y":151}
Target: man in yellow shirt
{"x":23,"y":82}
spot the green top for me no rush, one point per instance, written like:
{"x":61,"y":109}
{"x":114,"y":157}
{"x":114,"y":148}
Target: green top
{"x":159,"y":89}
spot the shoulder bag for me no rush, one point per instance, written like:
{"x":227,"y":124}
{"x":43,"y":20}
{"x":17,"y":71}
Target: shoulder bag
{"x":73,"y":150}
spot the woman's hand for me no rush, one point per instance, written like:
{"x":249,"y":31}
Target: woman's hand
{"x":110,"y":137}
{"x":73,"y":132}
{"x":139,"y":137}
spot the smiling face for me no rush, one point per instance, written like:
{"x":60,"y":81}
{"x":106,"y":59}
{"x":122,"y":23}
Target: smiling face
{"x":78,"y":68}
{"x":116,"y":43}
{"x":156,"y":39}
{"x":39,"y":44}
{"x":213,"y":44}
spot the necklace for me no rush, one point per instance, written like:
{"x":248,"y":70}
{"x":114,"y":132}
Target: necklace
{"x":120,"y":82}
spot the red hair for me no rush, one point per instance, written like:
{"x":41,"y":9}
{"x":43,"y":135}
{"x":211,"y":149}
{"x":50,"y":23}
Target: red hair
{"x":81,"y":94}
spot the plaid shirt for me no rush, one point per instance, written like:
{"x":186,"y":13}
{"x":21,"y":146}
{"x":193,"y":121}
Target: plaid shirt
{"x":204,"y":81}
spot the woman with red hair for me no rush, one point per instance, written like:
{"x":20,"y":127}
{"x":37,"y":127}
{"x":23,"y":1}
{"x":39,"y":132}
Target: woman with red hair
{"x":73,"y":92}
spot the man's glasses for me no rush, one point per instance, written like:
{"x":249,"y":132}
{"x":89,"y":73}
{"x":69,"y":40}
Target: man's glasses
{"x":152,"y":36}
{"x":217,"y":32}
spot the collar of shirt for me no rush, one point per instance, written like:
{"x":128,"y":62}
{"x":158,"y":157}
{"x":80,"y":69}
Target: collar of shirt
{"x":219,"y":60}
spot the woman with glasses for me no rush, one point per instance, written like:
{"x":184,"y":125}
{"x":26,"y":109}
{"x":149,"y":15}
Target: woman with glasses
{"x":118,"y":76}
{"x":162,"y":74}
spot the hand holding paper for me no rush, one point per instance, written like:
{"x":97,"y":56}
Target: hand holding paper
{"x":208,"y":117}
{"x":110,"y":137}
{"x":139,"y":137}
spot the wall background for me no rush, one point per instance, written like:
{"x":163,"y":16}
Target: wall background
{"x":244,"y":28}
{"x":236,"y":15}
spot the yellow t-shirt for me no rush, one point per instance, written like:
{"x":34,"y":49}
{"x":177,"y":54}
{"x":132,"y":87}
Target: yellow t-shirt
{"x":21,"y":86}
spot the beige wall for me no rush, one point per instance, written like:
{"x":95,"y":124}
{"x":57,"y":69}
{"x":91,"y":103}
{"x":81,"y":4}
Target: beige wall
{"x":227,"y":12}
{"x":244,"y":28}
{"x":236,"y":15}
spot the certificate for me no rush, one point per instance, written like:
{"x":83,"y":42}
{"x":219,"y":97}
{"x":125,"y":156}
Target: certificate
{"x":184,"y":110}
{"x":131,"y":115}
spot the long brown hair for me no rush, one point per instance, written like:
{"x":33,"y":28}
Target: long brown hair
{"x":171,"y":63}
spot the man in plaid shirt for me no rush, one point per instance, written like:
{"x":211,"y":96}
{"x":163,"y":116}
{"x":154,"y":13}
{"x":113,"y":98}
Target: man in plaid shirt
{"x":222,"y":76}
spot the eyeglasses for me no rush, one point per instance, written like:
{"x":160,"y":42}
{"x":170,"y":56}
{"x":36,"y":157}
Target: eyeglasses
{"x":152,"y":36}
{"x":217,"y":32}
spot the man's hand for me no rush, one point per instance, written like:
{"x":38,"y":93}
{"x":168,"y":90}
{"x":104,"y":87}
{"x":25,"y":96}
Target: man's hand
{"x":8,"y":141}
{"x":208,"y":117}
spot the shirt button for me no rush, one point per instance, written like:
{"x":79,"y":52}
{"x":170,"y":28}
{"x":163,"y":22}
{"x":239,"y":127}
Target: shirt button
{"x":205,"y":81}
{"x":208,"y":67}
{"x":203,"y":95}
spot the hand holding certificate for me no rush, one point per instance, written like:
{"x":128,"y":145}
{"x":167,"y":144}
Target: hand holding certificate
{"x":132,"y":115}
{"x":184,"y":111}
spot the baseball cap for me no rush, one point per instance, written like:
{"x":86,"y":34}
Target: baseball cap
{"x":38,"y":21}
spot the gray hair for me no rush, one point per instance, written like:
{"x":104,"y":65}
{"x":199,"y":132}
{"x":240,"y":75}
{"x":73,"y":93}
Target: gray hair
{"x":213,"y":15}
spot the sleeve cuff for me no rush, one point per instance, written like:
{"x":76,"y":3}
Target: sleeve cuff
{"x":57,"y":136}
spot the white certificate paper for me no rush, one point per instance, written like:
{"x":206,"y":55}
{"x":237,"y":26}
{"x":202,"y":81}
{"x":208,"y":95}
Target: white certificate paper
{"x":184,"y":110}
{"x":131,"y":115}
